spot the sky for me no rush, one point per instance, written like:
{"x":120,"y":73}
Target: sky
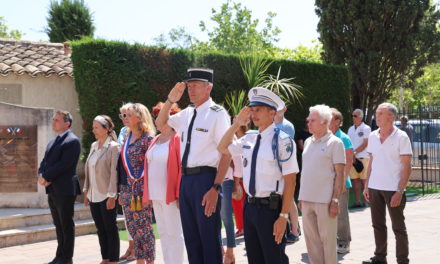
{"x":143,"y":20}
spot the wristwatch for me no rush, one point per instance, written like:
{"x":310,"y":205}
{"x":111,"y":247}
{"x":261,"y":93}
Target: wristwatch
{"x":217,"y":187}
{"x":401,"y":191}
{"x":336,"y":200}
{"x":285,"y":215}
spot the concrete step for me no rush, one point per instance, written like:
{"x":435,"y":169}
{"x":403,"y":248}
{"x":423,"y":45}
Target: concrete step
{"x":13,"y":218}
{"x":38,"y":233}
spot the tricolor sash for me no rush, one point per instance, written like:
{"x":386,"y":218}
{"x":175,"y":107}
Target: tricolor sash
{"x":136,"y":204}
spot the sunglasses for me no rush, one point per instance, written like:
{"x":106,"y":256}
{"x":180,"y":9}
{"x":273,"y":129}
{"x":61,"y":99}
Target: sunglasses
{"x":122,"y":116}
{"x":354,"y":116}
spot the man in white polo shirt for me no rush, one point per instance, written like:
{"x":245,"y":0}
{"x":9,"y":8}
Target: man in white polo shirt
{"x":387,"y":176}
{"x":358,"y":134}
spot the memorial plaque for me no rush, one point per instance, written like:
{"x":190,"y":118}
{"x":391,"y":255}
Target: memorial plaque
{"x":18,"y":159}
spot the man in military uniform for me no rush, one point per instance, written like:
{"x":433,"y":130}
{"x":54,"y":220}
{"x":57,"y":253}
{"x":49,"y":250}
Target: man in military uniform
{"x":269,"y":171}
{"x":200,"y":126}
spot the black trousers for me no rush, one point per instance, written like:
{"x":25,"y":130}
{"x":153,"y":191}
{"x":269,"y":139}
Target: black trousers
{"x":61,"y":208}
{"x":379,"y":202}
{"x":260,"y":242}
{"x":105,"y":222}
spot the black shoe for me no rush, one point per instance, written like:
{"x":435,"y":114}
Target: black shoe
{"x":64,"y":261}
{"x":54,"y":261}
{"x":374,"y":260}
{"x":291,"y":238}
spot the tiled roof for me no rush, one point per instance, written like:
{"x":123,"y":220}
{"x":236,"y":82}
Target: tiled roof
{"x":34,"y":58}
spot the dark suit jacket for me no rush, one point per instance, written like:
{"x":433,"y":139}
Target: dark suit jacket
{"x":59,"y":165}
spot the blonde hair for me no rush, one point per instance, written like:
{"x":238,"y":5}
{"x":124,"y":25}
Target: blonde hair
{"x":146,"y":124}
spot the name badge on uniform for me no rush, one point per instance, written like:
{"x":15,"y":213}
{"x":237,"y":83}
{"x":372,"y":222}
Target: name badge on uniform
{"x":202,"y":130}
{"x":246,"y":147}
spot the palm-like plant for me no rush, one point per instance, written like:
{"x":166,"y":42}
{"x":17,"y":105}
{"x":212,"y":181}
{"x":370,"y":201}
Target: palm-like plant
{"x":285,"y":88}
{"x":235,"y":101}
{"x":254,"y":67}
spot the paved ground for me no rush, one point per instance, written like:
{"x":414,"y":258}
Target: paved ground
{"x":423,"y":223}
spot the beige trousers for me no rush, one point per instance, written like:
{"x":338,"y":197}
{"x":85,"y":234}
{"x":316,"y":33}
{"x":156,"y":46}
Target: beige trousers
{"x":320,"y":233}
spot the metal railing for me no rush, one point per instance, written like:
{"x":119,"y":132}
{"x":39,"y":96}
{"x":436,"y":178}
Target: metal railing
{"x":425,"y":122}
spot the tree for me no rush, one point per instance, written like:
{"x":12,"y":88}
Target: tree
{"x":13,"y":34}
{"x":69,"y":20}
{"x":385,"y":44}
{"x":236,"y":32}
{"x":426,"y":91}
{"x":177,"y":38}
{"x":301,"y":53}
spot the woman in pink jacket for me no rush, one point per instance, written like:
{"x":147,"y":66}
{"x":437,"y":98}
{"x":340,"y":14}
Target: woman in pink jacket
{"x":162,"y":172}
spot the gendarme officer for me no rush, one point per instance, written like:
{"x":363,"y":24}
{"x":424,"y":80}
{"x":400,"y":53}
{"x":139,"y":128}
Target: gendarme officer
{"x":201,"y":127}
{"x":269,"y":171}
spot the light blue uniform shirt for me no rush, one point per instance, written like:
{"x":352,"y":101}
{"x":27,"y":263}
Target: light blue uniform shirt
{"x":287,"y":127}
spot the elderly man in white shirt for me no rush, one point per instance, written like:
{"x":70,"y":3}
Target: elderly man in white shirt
{"x":387,"y":177}
{"x":322,"y":181}
{"x":358,"y":134}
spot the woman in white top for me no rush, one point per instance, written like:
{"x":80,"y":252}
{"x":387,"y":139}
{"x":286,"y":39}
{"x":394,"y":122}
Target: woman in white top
{"x":100,"y":187}
{"x":162,"y":174}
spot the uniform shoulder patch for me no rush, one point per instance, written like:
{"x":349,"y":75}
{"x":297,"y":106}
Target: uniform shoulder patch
{"x":217,"y":108}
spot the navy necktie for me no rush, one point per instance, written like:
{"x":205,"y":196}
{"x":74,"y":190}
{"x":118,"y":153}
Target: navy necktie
{"x":188,"y":141}
{"x":254,"y":166}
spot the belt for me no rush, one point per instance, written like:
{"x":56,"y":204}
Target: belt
{"x":198,"y":170}
{"x":257,"y":200}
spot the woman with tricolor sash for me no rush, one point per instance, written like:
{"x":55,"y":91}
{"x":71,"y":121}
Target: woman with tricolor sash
{"x":140,"y":132}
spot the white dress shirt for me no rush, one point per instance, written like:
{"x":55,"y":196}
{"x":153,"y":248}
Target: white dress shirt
{"x":267,"y":169}
{"x":209,"y":127}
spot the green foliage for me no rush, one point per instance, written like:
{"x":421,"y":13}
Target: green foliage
{"x":426,"y":91}
{"x":13,"y":34}
{"x":254,"y":68}
{"x":69,"y":20}
{"x":385,"y":44}
{"x":177,"y":38}
{"x":301,"y":53}
{"x":285,"y":88}
{"x":235,"y":31}
{"x":235,"y":101}
{"x":108,"y":73}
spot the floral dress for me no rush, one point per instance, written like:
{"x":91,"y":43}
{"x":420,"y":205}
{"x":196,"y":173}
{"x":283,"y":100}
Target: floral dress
{"x":139,"y":223}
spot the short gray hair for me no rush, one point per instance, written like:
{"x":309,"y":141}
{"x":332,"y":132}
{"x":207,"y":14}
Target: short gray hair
{"x":323,"y":111}
{"x":392,"y":109}
{"x":359,"y":111}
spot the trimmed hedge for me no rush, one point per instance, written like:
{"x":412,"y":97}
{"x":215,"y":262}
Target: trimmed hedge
{"x":109,"y":73}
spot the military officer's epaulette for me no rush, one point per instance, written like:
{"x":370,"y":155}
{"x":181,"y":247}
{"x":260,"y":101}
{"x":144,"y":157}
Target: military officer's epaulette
{"x":249,"y":132}
{"x":217,"y":108}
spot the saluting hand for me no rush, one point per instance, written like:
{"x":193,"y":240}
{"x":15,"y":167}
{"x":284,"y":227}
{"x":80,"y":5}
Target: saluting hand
{"x":243,"y":117}
{"x":279,"y":227}
{"x":177,"y":92}
{"x":210,"y":201}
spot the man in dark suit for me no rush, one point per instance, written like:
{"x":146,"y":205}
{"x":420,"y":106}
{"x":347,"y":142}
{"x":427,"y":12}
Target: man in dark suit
{"x":58,"y":174}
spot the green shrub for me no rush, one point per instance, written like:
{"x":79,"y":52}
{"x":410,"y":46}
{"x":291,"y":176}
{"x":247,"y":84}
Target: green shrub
{"x":109,"y":73}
